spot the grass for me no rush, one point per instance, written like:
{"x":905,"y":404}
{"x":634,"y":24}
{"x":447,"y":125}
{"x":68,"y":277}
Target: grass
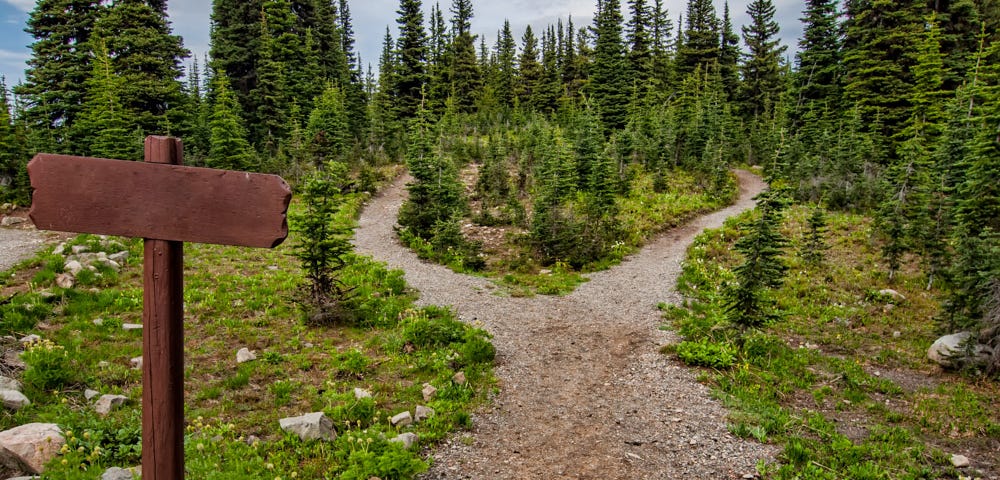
{"x":841,"y":383}
{"x":239,"y":297}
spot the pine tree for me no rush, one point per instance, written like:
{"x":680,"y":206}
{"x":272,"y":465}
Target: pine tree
{"x":465,"y":76}
{"x":11,"y":152}
{"x":411,"y":68}
{"x":729,"y":55}
{"x":661,"y":44}
{"x":229,"y":147}
{"x":814,"y":240}
{"x":546,"y":96}
{"x":529,"y":70}
{"x":749,"y":304}
{"x":506,"y":70}
{"x":699,"y":46}
{"x":762,"y":82}
{"x":818,"y":62}
{"x":104,"y":123}
{"x":638,"y":28}
{"x":270,"y":95}
{"x":327,"y":130}
{"x":435,"y":194}
{"x":609,"y":84}
{"x":59,"y":66}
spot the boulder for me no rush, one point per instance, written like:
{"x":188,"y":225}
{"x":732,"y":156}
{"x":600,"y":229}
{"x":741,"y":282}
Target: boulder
{"x":29,"y":447}
{"x":422,"y":413}
{"x":107,"y":403}
{"x":311,"y":426}
{"x":401,"y":419}
{"x":953,"y":351}
{"x":245,"y":355}
{"x":119,"y":257}
{"x":408,"y":439}
{"x":7,"y":383}
{"x":73,"y":267}
{"x":13,"y":400}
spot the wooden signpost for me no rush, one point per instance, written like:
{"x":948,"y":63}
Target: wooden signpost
{"x":166,"y":204}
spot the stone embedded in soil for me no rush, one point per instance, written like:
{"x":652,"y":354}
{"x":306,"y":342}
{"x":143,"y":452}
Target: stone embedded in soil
{"x":65,"y":280}
{"x":30,"y":339}
{"x":888,"y":292}
{"x":30,"y":446}
{"x":90,"y":394}
{"x":117,"y":473}
{"x":13,"y":400}
{"x":402,"y":419}
{"x":107,"y":403}
{"x":429,"y":391}
{"x":408,"y":439}
{"x":459,"y":378}
{"x":73,"y":267}
{"x":9,"y":384}
{"x":311,"y":426}
{"x":422,"y":413}
{"x":360,"y":393}
{"x":128,"y":327}
{"x":245,"y":355}
{"x":136,"y":362}
{"x":960,"y":461}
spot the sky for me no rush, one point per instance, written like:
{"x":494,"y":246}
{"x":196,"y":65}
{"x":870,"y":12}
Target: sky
{"x":190,"y":20}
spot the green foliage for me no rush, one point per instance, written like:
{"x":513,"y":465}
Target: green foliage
{"x":814,"y":239}
{"x":48,"y":366}
{"x":229,"y":148}
{"x":703,"y":353}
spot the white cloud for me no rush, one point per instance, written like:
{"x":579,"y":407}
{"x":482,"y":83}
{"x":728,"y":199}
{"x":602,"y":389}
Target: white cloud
{"x":22,"y":5}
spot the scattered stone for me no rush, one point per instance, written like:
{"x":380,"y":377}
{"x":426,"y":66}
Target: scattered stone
{"x":11,"y":221}
{"x":90,"y":394}
{"x":311,"y":426}
{"x":422,"y":413}
{"x":136,"y":363}
{"x":888,"y":292}
{"x":950,"y":351}
{"x":116,"y":473}
{"x":78,"y":249}
{"x":9,"y":384}
{"x":65,"y":280}
{"x":119,"y":257}
{"x":30,"y":339}
{"x":897,"y":334}
{"x":128,"y":327}
{"x":73,"y":267}
{"x":408,"y":439}
{"x":112,"y":264}
{"x":252,"y":439}
{"x":103,"y":364}
{"x":360,"y":393}
{"x":459,"y":378}
{"x":59,"y":249}
{"x":13,"y":400}
{"x":401,"y":419}
{"x":545,"y":271}
{"x":99,"y":322}
{"x":29,"y":447}
{"x":429,"y":391}
{"x":960,"y":461}
{"x":13,"y":359}
{"x":33,"y":477}
{"x":106,"y":403}
{"x":245,"y":355}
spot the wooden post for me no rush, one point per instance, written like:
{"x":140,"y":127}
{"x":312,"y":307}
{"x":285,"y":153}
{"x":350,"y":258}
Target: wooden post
{"x":163,"y":342}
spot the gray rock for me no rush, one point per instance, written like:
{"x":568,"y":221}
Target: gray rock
{"x":408,"y":439}
{"x":459,"y":378}
{"x":13,"y":359}
{"x":401,"y":419}
{"x":360,"y":393}
{"x":116,"y":473}
{"x":29,"y":447}
{"x":73,"y":267}
{"x":11,"y":221}
{"x":78,"y":249}
{"x":30,"y":339}
{"x":59,"y":249}
{"x":119,"y":257}
{"x":106,"y":403}
{"x":13,"y":400}
{"x":24,"y":478}
{"x":112,"y":264}
{"x":960,"y":461}
{"x":311,"y":426}
{"x":429,"y":391}
{"x":245,"y":355}
{"x":104,"y":364}
{"x":128,"y":327}
{"x":953,"y":351}
{"x":90,"y":394}
{"x":422,"y":413}
{"x":98,"y":321}
{"x":65,"y":280}
{"x":888,"y":292}
{"x":9,"y":384}
{"x":136,"y":362}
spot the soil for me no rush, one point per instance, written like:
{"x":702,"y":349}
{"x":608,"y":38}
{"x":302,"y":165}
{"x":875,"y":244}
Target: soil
{"x":583,"y":389}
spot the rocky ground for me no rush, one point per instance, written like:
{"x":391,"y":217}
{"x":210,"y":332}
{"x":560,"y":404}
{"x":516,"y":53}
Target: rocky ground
{"x":584,"y":391}
{"x":18,"y":241}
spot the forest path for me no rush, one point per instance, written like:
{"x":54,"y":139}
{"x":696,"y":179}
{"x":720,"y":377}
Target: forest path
{"x":584,"y":391}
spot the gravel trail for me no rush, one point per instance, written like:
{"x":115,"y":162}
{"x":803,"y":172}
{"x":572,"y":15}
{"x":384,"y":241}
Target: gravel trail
{"x":17,"y":244}
{"x":584,"y":391}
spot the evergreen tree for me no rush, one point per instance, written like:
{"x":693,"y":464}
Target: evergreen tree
{"x":465,"y":76}
{"x":235,"y":43}
{"x":749,"y":304}
{"x":762,"y":82}
{"x":609,"y":84}
{"x":411,"y":68}
{"x":506,"y":70}
{"x":699,"y":46}
{"x":12,"y":154}
{"x":435,"y":198}
{"x":59,"y":66}
{"x":638,"y":36}
{"x":229,"y":147}
{"x":661,"y":44}
{"x":545,"y":97}
{"x":327,"y":131}
{"x":818,"y":62}
{"x":729,"y":55}
{"x":530,"y":71}
{"x":104,"y":123}
{"x":814,"y":241}
{"x":270,"y":96}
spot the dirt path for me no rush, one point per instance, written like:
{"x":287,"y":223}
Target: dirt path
{"x":584,"y":391}
{"x":17,"y":244}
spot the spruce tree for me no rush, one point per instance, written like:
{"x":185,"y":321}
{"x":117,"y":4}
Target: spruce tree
{"x":762,"y":82}
{"x":104,"y":122}
{"x":270,"y":96}
{"x":609,"y":85}
{"x":229,"y":147}
{"x":327,"y":131}
{"x":818,"y":62}
{"x":411,"y":67}
{"x":700,"y":43}
{"x":814,"y":239}
{"x":640,"y":56}
{"x":505,"y":82}
{"x":59,"y":66}
{"x":465,"y":76}
{"x":435,"y":194}
{"x":729,"y":56}
{"x":546,"y":96}
{"x":12,"y":155}
{"x":529,"y":70}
